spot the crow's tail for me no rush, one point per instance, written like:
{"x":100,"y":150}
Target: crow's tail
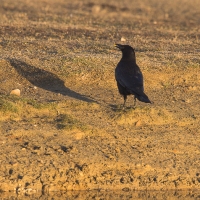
{"x":143,"y":98}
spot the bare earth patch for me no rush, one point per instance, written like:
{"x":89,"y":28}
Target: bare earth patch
{"x":67,"y":131}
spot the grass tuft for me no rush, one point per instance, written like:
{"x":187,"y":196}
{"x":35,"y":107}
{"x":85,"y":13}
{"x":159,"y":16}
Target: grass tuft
{"x":67,"y":122}
{"x":7,"y":106}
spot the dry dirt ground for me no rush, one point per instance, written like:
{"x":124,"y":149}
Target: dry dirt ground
{"x":67,"y":131}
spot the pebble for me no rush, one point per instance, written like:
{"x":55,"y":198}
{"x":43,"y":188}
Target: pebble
{"x":123,"y":39}
{"x":138,"y":123}
{"x":15,"y":92}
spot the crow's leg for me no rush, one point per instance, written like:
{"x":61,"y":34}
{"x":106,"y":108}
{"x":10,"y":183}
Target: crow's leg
{"x":134,"y":101}
{"x":125,"y":97}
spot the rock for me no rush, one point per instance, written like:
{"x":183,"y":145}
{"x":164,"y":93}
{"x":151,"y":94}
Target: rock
{"x":138,"y":123}
{"x":15,"y":92}
{"x":123,"y":39}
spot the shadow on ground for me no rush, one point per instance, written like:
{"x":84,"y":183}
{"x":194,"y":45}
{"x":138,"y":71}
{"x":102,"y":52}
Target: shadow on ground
{"x":45,"y":80}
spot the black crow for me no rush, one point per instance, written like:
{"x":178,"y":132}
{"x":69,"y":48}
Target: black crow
{"x":129,"y":76}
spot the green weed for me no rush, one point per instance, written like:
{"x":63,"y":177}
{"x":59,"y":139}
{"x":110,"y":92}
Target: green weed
{"x":67,"y":122}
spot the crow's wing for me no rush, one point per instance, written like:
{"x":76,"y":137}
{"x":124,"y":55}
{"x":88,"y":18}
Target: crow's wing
{"x":129,"y":76}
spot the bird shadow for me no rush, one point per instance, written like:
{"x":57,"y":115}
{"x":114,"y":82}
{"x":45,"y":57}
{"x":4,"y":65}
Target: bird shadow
{"x":120,"y":108}
{"x":45,"y":80}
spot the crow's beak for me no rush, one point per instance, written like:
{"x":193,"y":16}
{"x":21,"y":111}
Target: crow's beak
{"x":119,"y":46}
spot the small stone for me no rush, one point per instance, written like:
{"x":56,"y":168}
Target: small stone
{"x":126,"y":189}
{"x":123,"y":39}
{"x":81,"y":174}
{"x":138,"y":123}
{"x":188,"y":101}
{"x":15,"y":92}
{"x":138,"y":165}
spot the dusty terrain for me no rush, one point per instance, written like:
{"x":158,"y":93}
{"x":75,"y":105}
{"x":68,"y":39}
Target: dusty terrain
{"x":67,"y":131}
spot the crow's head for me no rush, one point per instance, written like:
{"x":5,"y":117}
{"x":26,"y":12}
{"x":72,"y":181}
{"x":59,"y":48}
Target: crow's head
{"x":127,"y":51}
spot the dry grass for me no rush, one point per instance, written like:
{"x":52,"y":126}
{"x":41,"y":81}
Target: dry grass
{"x":77,"y":38}
{"x":61,"y":55}
{"x":72,"y":44}
{"x":75,"y":41}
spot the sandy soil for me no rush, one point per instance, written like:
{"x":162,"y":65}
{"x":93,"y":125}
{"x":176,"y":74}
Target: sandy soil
{"x":67,"y":131}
